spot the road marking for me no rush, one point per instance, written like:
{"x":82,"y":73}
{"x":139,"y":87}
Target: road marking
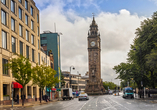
{"x":128,"y":103}
{"x":119,"y":104}
{"x":89,"y":105}
{"x":85,"y":103}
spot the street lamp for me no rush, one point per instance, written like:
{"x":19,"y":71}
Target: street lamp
{"x":70,"y":74}
{"x":141,"y":71}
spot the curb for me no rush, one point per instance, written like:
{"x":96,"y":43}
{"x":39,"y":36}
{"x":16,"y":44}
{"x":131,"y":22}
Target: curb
{"x":27,"y":105}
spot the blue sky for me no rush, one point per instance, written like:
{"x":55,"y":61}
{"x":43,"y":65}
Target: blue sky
{"x":117,"y":22}
{"x":86,"y":7}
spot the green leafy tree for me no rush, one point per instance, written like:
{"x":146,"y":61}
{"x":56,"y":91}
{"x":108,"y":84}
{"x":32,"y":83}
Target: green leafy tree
{"x":21,"y":70}
{"x":50,"y":77}
{"x":44,"y":76}
{"x":142,"y":57}
{"x":107,"y":84}
{"x":62,"y":80}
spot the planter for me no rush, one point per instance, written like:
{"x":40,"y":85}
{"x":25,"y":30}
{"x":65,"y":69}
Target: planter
{"x":6,"y":97}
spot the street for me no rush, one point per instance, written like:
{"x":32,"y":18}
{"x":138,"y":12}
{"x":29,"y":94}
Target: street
{"x":102,"y":102}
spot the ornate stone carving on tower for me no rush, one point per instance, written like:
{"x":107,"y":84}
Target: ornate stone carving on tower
{"x":94,"y":84}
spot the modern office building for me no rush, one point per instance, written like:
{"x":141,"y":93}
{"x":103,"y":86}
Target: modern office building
{"x":19,"y":32}
{"x":51,"y":41}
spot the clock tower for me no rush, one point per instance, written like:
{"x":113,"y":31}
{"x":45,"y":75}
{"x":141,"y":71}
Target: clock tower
{"x":94,"y":84}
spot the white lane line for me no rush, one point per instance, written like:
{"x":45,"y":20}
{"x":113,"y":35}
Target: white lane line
{"x":108,"y":104}
{"x":128,"y":103}
{"x":119,"y":104}
{"x":85,"y":103}
{"x":97,"y":101}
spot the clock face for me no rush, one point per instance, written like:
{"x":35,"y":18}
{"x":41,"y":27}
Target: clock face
{"x":92,"y":43}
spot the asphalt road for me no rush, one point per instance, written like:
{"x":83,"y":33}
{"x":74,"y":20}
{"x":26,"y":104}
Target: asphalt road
{"x":102,"y":102}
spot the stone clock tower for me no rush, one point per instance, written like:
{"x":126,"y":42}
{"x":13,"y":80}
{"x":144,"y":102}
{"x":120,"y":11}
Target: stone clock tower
{"x":94,"y":84}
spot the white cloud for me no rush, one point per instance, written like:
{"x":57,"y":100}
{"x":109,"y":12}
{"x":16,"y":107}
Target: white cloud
{"x":116,"y":30}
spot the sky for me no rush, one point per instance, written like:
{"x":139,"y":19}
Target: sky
{"x":117,"y":21}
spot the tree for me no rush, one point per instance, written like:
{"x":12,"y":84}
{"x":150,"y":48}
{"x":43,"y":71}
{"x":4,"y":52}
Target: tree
{"x":107,"y":84}
{"x":44,"y":76}
{"x":62,"y":80}
{"x":21,"y":70}
{"x":51,"y":80}
{"x":142,"y":56}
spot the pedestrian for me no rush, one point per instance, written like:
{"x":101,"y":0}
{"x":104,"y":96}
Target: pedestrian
{"x":18,"y":98}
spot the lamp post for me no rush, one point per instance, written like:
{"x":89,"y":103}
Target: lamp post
{"x":70,"y":74}
{"x":141,"y":71}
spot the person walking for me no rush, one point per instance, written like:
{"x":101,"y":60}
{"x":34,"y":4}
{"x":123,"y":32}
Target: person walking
{"x":18,"y":98}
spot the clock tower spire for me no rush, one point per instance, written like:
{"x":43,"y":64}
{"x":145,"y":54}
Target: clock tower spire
{"x":94,"y":84}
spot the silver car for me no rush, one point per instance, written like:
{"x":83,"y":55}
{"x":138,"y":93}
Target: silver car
{"x":83,"y":96}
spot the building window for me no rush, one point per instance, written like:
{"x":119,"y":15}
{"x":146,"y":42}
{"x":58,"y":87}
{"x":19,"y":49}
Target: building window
{"x":26,"y":19}
{"x":38,"y":30}
{"x":26,"y":4}
{"x":13,"y":6}
{"x":5,"y":70}
{"x":39,"y":58}
{"x":33,"y":55}
{"x":13,"y":45}
{"x":37,"y":18}
{"x":32,"y":38}
{"x":38,"y":44}
{"x":21,"y":48}
{"x":4,"y":39}
{"x":3,"y":17}
{"x":20,"y":30}
{"x":27,"y":35}
{"x":4,"y":89}
{"x":20,"y":13}
{"x":12,"y":24}
{"x":20,"y":1}
{"x":3,"y":1}
{"x":32,"y":25}
{"x":27,"y":51}
{"x":32,"y":11}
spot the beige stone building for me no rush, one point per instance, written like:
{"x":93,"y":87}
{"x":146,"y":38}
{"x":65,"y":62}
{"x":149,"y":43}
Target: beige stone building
{"x":78,"y":82}
{"x":20,"y":34}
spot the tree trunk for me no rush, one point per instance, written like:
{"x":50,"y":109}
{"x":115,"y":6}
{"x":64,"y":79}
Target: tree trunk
{"x":40,"y":95}
{"x":152,"y":80}
{"x":22,"y":98}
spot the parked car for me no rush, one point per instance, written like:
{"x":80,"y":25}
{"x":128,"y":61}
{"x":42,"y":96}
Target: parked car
{"x":83,"y":96}
{"x":110,"y":92}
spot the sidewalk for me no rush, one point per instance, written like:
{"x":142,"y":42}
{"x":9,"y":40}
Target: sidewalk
{"x":150,"y":99}
{"x":27,"y":104}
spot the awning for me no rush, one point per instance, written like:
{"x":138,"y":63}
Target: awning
{"x":53,"y":89}
{"x":17,"y":85}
